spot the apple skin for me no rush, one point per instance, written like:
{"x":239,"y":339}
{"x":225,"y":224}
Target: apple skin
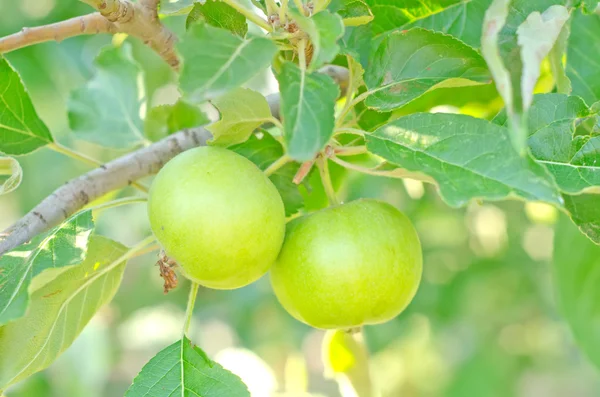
{"x":218,"y":216}
{"x":347,"y":266}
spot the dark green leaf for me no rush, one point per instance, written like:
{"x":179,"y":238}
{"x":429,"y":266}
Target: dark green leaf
{"x":63,"y":246}
{"x":585,"y":213}
{"x":576,"y":279}
{"x":462,"y":20}
{"x":220,"y":15}
{"x":574,"y":162}
{"x":165,"y":120}
{"x":216,"y":61}
{"x":408,"y":64}
{"x":263,"y":150}
{"x":242,"y":111}
{"x":307,"y":109}
{"x":184,"y":370}
{"x":10,"y":174}
{"x":60,"y":308}
{"x":467,"y":157}
{"x":583,"y":68}
{"x":107,"y":109}
{"x":355,"y":12}
{"x":21,"y":129}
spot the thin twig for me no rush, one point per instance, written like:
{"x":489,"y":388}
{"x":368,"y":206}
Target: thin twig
{"x":87,"y":24}
{"x":190,"y":307}
{"x":138,"y":19}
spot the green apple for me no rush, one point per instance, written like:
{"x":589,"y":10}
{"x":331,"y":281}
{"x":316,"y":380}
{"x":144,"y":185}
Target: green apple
{"x":218,"y":216}
{"x":346,"y":266}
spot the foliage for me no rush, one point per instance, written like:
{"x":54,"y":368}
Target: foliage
{"x":492,"y":104}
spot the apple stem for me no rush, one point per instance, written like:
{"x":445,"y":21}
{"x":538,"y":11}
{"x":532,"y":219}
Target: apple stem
{"x":190,"y":307}
{"x":322,"y":163}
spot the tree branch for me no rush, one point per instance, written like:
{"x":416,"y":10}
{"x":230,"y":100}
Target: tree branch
{"x":86,"y":24}
{"x":75,"y":194}
{"x":114,"y":16}
{"x":119,"y":173}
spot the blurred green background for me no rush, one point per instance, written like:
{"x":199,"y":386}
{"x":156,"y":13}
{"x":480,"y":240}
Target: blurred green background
{"x":484,"y":322}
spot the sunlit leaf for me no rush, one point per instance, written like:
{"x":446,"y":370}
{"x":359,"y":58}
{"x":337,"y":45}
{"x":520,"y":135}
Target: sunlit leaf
{"x":165,"y":120}
{"x":216,"y":61}
{"x":355,"y":13}
{"x":467,"y":157}
{"x":408,"y":64}
{"x":175,"y":7}
{"x":220,"y":15}
{"x":185,"y":370}
{"x":242,"y":111}
{"x":107,"y":109}
{"x":21,"y":129}
{"x":59,"y":310}
{"x":63,"y":246}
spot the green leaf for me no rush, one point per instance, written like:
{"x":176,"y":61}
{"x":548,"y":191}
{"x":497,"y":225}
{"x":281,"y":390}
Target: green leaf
{"x":408,"y":64}
{"x":514,"y":47}
{"x":355,"y":13}
{"x":63,"y":246}
{"x":574,"y":161}
{"x":536,"y":37}
{"x":242,"y":111}
{"x":576,"y":277}
{"x":59,"y":310}
{"x":165,"y":120}
{"x":556,"y":57}
{"x":175,"y":7}
{"x":590,"y":6}
{"x":216,"y":61}
{"x":468,"y":158}
{"x":394,"y":14}
{"x":462,"y":20}
{"x":307,"y":109}
{"x":21,"y":129}
{"x":106,"y":110}
{"x":184,"y":370}
{"x":585,"y":213}
{"x":263,"y":150}
{"x":220,"y":15}
{"x":10,"y":174}
{"x":583,"y":68}
{"x":324,"y":30}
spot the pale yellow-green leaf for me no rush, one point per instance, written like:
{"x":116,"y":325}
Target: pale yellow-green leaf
{"x":494,"y":21}
{"x":10,"y":174}
{"x":59,"y":310}
{"x":536,"y":37}
{"x":346,"y":360}
{"x":242,"y":111}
